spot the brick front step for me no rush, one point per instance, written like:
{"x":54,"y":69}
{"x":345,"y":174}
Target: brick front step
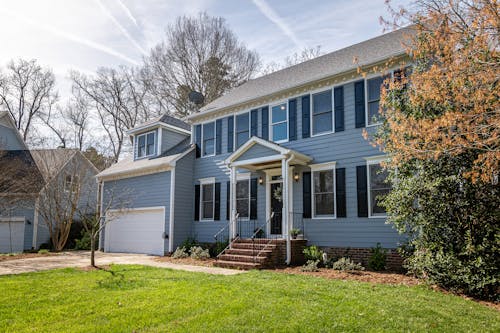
{"x":243,"y":258}
{"x":247,"y":252}
{"x":250,"y":246}
{"x":237,"y":265}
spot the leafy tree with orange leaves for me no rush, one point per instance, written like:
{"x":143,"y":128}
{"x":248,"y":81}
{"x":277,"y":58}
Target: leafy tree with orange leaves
{"x":441,"y":129}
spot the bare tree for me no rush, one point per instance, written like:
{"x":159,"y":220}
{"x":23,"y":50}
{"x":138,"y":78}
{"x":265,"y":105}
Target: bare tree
{"x":120,"y":99}
{"x":291,"y":60}
{"x":26,"y":90}
{"x":201,"y":54}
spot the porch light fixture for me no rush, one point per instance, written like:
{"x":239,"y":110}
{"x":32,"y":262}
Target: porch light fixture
{"x":261,"y":181}
{"x":296,"y":176}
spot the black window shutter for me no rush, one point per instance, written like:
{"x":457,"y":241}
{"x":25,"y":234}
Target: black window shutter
{"x":197,"y":202}
{"x":230,"y":134}
{"x":340,"y":195}
{"x":253,"y":122}
{"x":218,"y":136}
{"x":306,"y":116}
{"x":197,"y":139}
{"x":228,"y":198}
{"x":253,"y":198}
{"x":292,"y":119}
{"x":217,"y":202}
{"x":359,"y":103}
{"x":362,"y":191}
{"x":306,"y":195}
{"x":338,"y":96}
{"x":265,"y":122}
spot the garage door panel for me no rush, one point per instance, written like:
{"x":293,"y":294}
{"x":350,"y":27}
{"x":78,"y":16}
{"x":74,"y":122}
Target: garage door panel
{"x":136,"y":232}
{"x":11,"y":236}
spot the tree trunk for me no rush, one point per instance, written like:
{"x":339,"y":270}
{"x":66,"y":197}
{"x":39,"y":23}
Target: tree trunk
{"x":92,"y":250}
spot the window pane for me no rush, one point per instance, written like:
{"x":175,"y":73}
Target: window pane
{"x":322,"y":102}
{"x":208,"y":131}
{"x":323,"y":181}
{"x":280,"y":132}
{"x":141,"y":146}
{"x":378,"y":177}
{"x":150,"y":144}
{"x":242,"y":189}
{"x":279,"y":113}
{"x":376,"y":197}
{"x":242,"y":197}
{"x":324,"y":204}
{"x":242,"y":207}
{"x":374,"y":86}
{"x":322,"y":123}
{"x":241,"y":138}
{"x":208,"y":193}
{"x":373,"y":115}
{"x":208,"y":210}
{"x":208,"y":147}
{"x":242,"y":122}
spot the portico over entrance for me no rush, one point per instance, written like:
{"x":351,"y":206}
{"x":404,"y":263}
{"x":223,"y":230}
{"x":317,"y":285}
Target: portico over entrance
{"x":276,"y":164}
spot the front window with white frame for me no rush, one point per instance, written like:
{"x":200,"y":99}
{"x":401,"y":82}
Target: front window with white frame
{"x":208,"y":142}
{"x":145,"y":144}
{"x":378,"y":188}
{"x":207,"y":202}
{"x":243,"y":197}
{"x":242,"y":132}
{"x":322,"y":112}
{"x":279,"y":122}
{"x":323,"y":188}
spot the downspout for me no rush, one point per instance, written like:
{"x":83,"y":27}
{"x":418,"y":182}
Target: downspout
{"x":172,"y":207}
{"x":35,"y":223}
{"x":286,"y":181}
{"x":100,"y":207}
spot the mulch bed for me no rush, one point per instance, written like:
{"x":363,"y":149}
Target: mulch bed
{"x":188,"y":261}
{"x":8,"y":257}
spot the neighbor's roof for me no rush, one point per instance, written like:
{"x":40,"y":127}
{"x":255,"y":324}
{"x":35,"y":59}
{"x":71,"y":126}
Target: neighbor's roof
{"x":20,"y":174}
{"x":51,"y":161}
{"x":337,"y":62}
{"x":131,"y":168}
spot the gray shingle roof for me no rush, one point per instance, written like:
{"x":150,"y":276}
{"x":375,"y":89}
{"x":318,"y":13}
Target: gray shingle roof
{"x":167,"y":120}
{"x":337,"y":62}
{"x":50,"y":161}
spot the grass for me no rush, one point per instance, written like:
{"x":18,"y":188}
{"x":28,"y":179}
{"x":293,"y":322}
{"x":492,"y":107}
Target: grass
{"x":146,"y":299}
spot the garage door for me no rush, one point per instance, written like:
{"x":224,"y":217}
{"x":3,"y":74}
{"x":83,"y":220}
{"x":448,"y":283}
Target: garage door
{"x":136,"y":231}
{"x":11,"y":235}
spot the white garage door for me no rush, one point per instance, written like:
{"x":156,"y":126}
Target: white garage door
{"x":11,"y":235}
{"x":136,"y":231}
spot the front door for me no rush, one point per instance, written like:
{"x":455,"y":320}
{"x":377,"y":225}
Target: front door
{"x":276,"y":208}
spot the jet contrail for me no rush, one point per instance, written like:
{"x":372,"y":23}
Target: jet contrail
{"x":121,"y":28}
{"x":127,"y":11}
{"x":271,"y":14}
{"x":70,"y":37}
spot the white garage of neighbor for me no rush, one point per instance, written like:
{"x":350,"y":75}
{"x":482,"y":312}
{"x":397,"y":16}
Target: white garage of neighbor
{"x":139,"y":230}
{"x":12,"y":234}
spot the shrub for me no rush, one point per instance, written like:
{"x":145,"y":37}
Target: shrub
{"x":197,"y":252}
{"x":189,"y":243}
{"x":310,"y":266}
{"x":180,"y":253}
{"x":346,"y":264}
{"x":313,"y":253}
{"x":378,"y":258}
{"x":43,"y":251}
{"x":84,"y":242}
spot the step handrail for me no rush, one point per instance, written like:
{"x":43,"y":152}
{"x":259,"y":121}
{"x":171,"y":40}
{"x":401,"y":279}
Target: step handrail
{"x":229,"y":238}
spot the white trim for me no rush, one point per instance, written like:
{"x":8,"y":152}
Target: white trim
{"x":208,"y":180}
{"x":158,"y":146}
{"x":161,"y":125}
{"x":316,"y":92}
{"x":35,"y":224}
{"x":376,"y":159}
{"x":136,"y":147}
{"x":138,"y":209}
{"x":324,"y":167}
{"x":243,"y":176}
{"x":12,"y":219}
{"x":204,"y":182}
{"x":101,"y":216}
{"x":286,"y":121}
{"x":373,"y":160}
{"x":171,"y":212}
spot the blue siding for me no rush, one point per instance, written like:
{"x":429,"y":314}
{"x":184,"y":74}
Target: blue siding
{"x":184,"y":199}
{"x":169,"y":139}
{"x":27,"y":209}
{"x":9,"y":139}
{"x":144,"y":191}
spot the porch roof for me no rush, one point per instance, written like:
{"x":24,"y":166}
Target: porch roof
{"x":269,"y":155}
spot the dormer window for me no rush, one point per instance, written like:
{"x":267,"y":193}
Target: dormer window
{"x":145,"y":144}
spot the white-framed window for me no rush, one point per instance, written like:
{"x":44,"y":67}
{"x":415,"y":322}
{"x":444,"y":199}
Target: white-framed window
{"x":322,"y":112}
{"x":208,"y":139}
{"x":378,"y":186}
{"x":145,"y":144}
{"x":243,"y":196}
{"x":279,"y":122}
{"x":373,"y":87}
{"x":207,"y":199}
{"x":242,"y":129}
{"x":323,"y":190}
{"x":71,"y":183}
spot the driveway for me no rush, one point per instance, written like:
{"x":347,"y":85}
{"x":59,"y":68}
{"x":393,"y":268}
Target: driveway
{"x":82,"y":259}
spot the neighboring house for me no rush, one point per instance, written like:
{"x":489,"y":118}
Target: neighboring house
{"x":282,"y":151}
{"x":26,"y":178}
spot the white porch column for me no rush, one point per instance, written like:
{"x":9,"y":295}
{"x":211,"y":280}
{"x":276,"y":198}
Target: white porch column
{"x":285,"y":175}
{"x":232,"y":203}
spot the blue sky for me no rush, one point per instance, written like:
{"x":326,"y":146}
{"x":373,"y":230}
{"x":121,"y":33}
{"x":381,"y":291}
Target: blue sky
{"x":87,"y":34}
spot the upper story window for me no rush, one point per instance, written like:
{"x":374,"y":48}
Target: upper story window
{"x":323,"y":191}
{"x":242,"y":129}
{"x":243,"y":198}
{"x":279,"y":122}
{"x":208,"y":146}
{"x":378,"y":187}
{"x":145,"y":144}
{"x":207,"y":201}
{"x":322,"y":115}
{"x":71,"y":183}
{"x":373,"y":99}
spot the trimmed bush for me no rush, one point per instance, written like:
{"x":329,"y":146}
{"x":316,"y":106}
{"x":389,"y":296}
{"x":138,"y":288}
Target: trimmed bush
{"x":197,"y":252}
{"x":346,"y":264}
{"x":378,"y":258}
{"x":180,"y":253}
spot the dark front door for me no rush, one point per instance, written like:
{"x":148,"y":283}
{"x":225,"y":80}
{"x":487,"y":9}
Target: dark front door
{"x":276,"y":208}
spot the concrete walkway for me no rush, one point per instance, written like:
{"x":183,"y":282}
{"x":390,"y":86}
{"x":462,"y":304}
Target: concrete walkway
{"x":82,"y":259}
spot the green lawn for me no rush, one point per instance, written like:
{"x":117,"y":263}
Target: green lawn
{"x":144,"y":299}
